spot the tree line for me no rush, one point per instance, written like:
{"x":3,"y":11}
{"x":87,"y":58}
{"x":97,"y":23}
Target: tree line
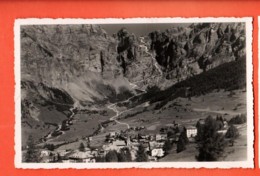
{"x":211,"y":144}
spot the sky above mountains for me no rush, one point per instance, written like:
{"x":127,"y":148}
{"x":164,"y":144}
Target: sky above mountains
{"x":140,"y":29}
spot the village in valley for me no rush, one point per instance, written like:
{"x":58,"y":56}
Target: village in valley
{"x":128,"y":145}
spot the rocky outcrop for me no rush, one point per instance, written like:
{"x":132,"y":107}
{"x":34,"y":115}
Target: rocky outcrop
{"x":76,"y":59}
{"x":183,"y":52}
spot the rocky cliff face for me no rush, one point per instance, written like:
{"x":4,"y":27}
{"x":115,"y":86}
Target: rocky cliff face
{"x":81,"y":65}
{"x":67,"y":58}
{"x":184,"y":52}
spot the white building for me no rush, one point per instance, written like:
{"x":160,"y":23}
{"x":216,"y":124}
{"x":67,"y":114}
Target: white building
{"x":160,"y":137}
{"x":158,"y":152}
{"x":44,"y":153}
{"x":191,"y":132}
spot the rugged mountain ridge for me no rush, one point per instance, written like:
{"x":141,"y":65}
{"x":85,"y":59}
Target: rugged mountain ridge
{"x":82,"y":66}
{"x":79,"y":58}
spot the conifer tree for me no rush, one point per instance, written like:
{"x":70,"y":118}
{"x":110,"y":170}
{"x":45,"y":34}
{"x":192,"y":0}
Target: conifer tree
{"x":141,"y":155}
{"x":111,"y":156}
{"x":82,"y":147}
{"x":212,"y":144}
{"x":32,"y":154}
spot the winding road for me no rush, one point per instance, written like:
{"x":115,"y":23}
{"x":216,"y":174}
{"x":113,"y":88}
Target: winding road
{"x":50,"y":137}
{"x":113,"y":107}
{"x":114,"y":118}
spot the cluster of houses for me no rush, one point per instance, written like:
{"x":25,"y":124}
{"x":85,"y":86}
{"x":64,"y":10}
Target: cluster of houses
{"x":69,"y":156}
{"x":153,"y":143}
{"x":131,"y":139}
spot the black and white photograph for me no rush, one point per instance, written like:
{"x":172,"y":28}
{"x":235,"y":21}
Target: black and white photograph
{"x":137,"y":92}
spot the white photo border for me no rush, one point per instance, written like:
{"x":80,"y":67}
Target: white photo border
{"x":249,"y":163}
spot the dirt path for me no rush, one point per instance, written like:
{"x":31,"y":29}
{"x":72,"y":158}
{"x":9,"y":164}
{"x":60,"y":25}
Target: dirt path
{"x":49,"y":137}
{"x":114,"y":118}
{"x":113,"y":107}
{"x":154,"y":60}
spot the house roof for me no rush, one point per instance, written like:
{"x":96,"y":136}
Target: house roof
{"x":80,"y":155}
{"x":119,"y":143}
{"x":191,"y":127}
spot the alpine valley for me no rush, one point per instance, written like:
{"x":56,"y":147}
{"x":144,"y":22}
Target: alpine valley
{"x":82,"y":85}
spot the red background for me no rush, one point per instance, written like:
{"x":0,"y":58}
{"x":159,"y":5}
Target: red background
{"x":10,"y":10}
